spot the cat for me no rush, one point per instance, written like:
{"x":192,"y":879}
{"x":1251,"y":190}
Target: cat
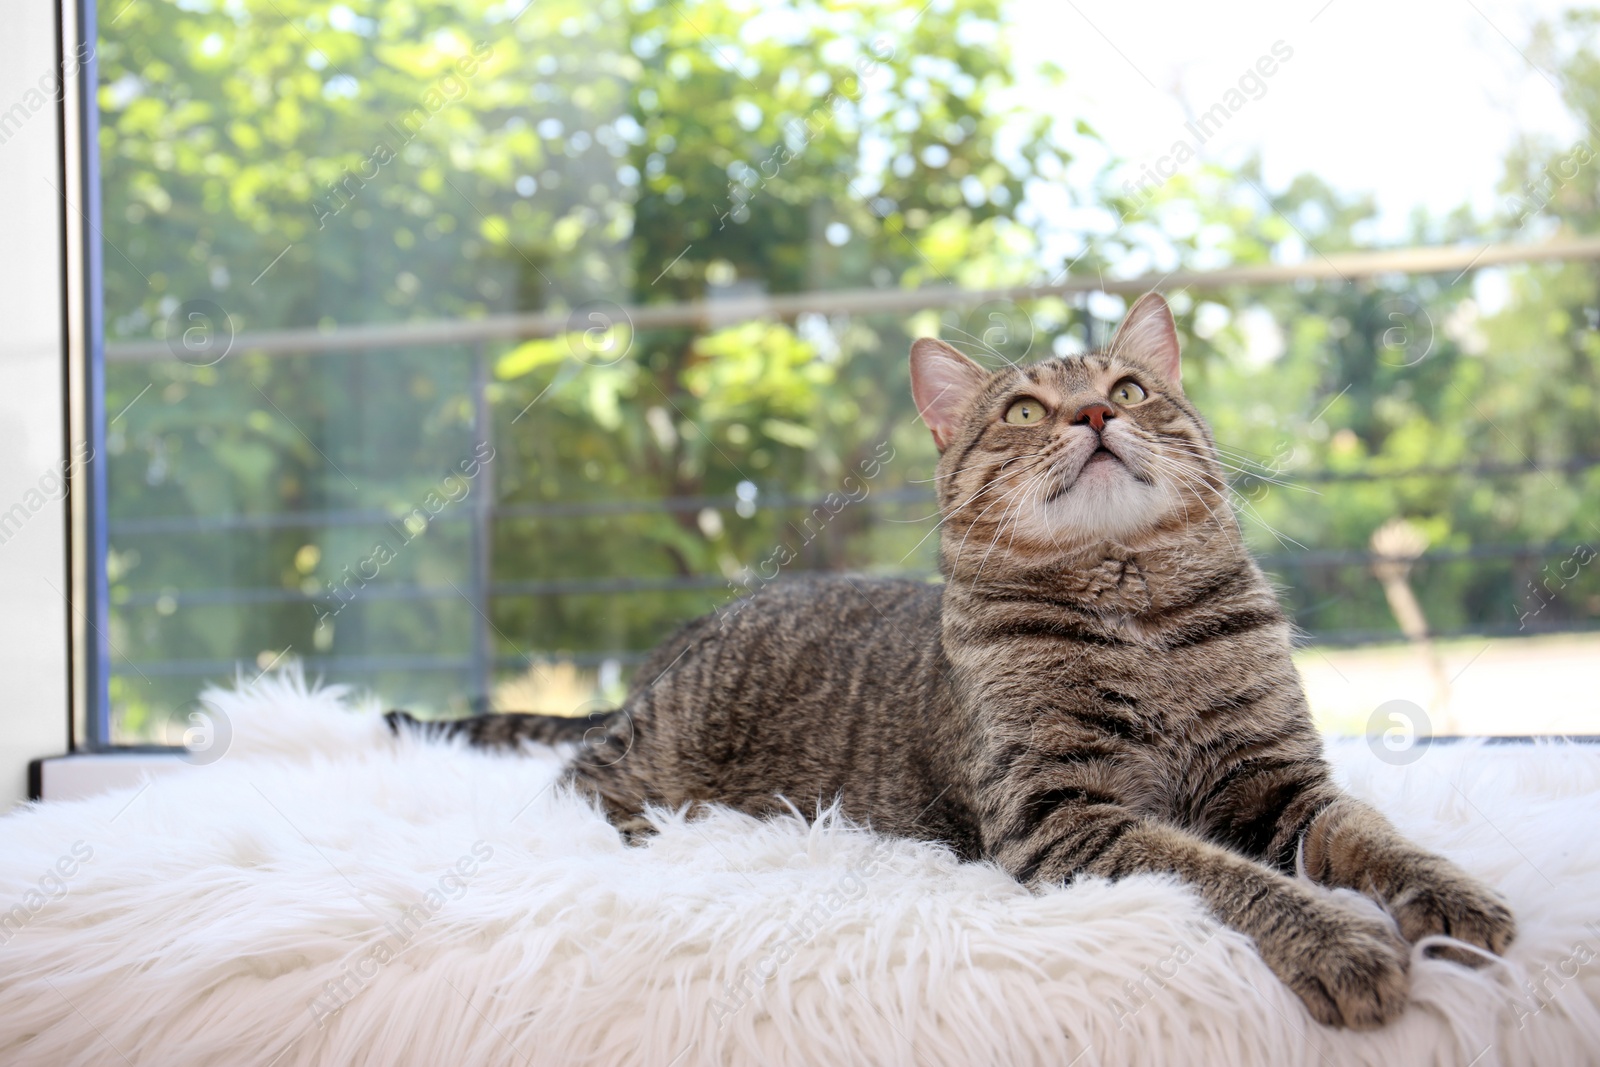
{"x":1102,"y":685}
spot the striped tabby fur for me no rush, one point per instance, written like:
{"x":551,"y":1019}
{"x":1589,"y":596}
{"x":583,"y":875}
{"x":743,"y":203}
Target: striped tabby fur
{"x":1102,"y":685}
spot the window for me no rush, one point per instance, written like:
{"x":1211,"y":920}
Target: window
{"x":462,"y":349}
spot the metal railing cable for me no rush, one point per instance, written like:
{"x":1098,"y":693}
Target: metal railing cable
{"x":711,"y":313}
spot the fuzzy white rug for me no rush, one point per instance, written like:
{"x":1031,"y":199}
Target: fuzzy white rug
{"x":325,"y":894}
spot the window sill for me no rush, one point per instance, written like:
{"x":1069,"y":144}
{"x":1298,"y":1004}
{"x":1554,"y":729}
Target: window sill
{"x":87,"y":774}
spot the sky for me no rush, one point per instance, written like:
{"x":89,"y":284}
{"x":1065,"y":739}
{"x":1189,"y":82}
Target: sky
{"x":1414,"y":101}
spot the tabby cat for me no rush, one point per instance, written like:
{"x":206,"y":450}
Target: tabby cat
{"x":1102,"y":685}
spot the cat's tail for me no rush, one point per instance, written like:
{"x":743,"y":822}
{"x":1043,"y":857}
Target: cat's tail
{"x":510,"y":729}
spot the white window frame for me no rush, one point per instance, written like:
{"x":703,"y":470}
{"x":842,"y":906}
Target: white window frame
{"x":51,"y":462}
{"x":36,"y":571}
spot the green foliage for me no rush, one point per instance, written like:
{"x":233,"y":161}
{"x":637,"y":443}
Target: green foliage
{"x":306,"y":165}
{"x":1365,"y":381}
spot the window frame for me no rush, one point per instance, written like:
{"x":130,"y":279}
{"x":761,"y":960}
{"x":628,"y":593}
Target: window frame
{"x":45,"y":387}
{"x":88,"y":528}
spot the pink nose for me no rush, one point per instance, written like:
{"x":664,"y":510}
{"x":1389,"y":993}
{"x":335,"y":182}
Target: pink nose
{"x":1094,"y":414}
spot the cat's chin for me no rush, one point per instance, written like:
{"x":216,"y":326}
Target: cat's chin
{"x":1105,"y":502}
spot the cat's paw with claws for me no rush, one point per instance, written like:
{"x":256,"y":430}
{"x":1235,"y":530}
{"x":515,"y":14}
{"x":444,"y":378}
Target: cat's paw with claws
{"x":1349,"y":969}
{"x":1441,"y":899}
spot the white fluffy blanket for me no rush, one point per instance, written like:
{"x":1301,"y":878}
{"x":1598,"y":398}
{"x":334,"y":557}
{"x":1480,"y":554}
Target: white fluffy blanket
{"x":326,"y":894}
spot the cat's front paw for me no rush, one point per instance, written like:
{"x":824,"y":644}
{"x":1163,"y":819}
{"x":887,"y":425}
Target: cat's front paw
{"x":1350,"y":969}
{"x":1440,"y":899}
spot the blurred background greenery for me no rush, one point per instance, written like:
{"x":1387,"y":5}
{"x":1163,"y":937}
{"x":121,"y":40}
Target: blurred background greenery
{"x":326,"y":167}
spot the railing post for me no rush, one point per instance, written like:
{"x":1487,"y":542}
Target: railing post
{"x":482,"y":535}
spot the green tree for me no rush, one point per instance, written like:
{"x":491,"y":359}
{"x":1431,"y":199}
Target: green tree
{"x":305,"y":165}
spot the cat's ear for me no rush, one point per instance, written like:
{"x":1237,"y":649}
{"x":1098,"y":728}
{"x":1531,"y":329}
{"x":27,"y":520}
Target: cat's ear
{"x":1149,"y":337}
{"x":942,"y":381}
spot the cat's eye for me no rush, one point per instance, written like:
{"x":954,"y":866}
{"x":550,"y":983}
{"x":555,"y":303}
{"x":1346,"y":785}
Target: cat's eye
{"x":1127,"y":391}
{"x":1025,"y":412}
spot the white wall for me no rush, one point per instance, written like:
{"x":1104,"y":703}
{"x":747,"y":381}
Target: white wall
{"x":33,"y":557}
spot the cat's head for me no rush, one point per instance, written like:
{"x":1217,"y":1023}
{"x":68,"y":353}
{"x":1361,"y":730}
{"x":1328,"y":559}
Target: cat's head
{"x":1051,"y":457}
